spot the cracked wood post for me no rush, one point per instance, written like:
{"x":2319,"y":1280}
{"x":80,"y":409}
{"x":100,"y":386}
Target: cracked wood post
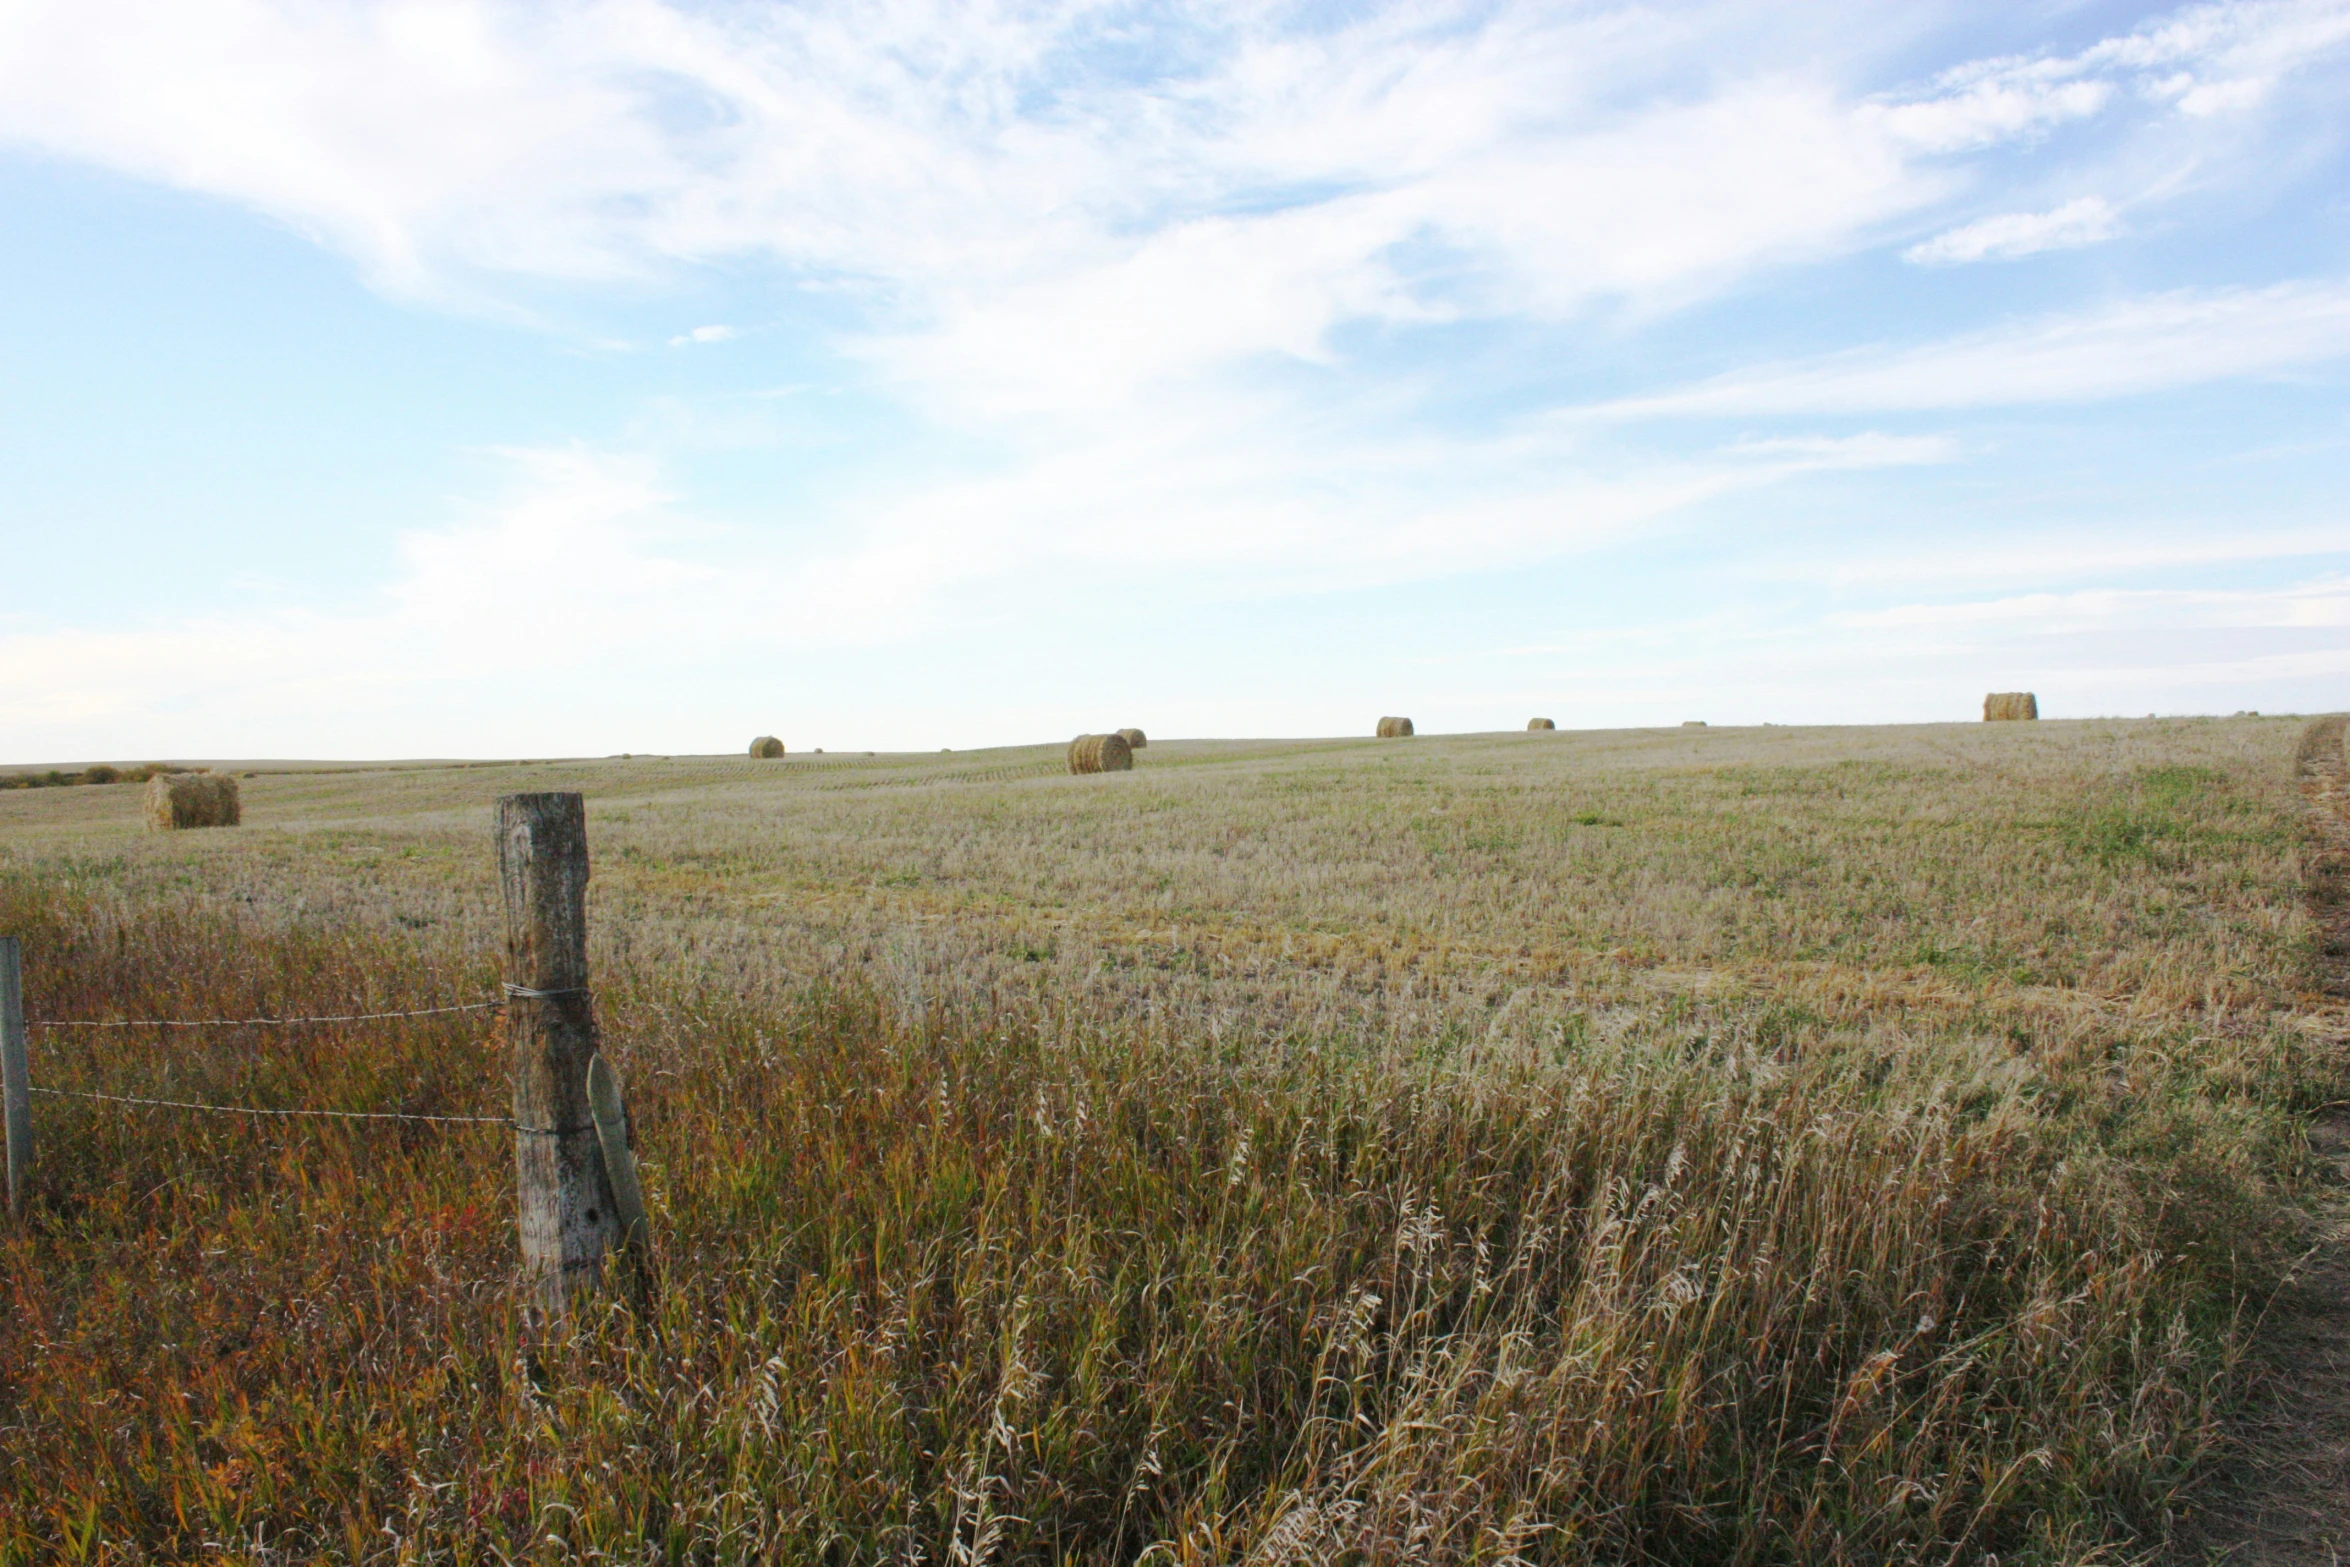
{"x":567,"y":1217}
{"x":628,"y":1196}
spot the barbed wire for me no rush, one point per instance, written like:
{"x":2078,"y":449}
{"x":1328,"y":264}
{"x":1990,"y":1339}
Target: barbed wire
{"x":238,"y":1023}
{"x":512,"y":993}
{"x":281,"y":1022}
{"x":338,"y":1115}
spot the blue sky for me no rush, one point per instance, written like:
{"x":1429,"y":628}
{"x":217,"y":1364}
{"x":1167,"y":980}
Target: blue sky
{"x":461,"y":378}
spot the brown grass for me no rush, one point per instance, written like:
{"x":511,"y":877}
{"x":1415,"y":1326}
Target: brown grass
{"x":1863,"y":1147}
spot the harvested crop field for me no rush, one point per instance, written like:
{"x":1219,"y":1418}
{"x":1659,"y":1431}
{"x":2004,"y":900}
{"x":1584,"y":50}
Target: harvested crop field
{"x":1773,"y":1145}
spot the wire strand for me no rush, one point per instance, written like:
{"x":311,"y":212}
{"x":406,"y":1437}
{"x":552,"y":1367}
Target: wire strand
{"x":338,"y":1115}
{"x":241,"y":1022}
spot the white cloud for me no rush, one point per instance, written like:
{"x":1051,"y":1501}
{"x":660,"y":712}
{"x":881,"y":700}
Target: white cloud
{"x":2215,"y":59}
{"x":586,"y":569}
{"x":1983,"y":104}
{"x":1010,"y":191}
{"x":1018,"y":226}
{"x":2205,"y":59}
{"x":2153,"y":343}
{"x":2086,"y":220}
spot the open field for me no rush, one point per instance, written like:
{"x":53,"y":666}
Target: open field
{"x":1692,"y":1146}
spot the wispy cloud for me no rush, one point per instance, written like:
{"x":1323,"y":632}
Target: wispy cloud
{"x":2213,"y":59}
{"x":1237,"y":299}
{"x":2154,"y":343}
{"x":2086,"y":220}
{"x":624,"y":582}
{"x":993,"y":176}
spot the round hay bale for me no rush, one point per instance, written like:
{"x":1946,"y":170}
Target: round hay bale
{"x":1533,"y":724}
{"x":2010,"y":706}
{"x":767,"y":748}
{"x":180,"y":800}
{"x":1394,"y":728}
{"x":1693,"y":723}
{"x":1100,"y":754}
{"x":1135,"y":739}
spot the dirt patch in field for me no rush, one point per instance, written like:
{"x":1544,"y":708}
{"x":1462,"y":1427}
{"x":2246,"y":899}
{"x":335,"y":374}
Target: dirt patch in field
{"x":2285,"y":1499}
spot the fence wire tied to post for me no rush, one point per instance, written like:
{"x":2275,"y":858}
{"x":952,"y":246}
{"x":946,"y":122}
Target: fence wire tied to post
{"x":525,"y":993}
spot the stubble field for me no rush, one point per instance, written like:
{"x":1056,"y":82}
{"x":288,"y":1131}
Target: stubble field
{"x":1683,"y":1146}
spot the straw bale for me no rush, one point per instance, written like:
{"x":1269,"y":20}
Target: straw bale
{"x":1533,"y":724}
{"x":1394,"y":728}
{"x":1693,"y":723}
{"x":1100,"y":754}
{"x":177,"y":800}
{"x":767,"y":748}
{"x":1135,"y":739}
{"x":2002,"y":706}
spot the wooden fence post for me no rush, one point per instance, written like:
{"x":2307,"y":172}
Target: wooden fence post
{"x":567,"y":1216}
{"x":628,"y":1196}
{"x":16,"y":1088}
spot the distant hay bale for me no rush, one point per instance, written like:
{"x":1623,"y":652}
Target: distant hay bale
{"x":1100,"y":754}
{"x":2004,"y":706}
{"x":1394,"y":728}
{"x":767,"y":748}
{"x":177,"y":800}
{"x":1693,"y":723}
{"x":1533,"y":724}
{"x":1135,"y":739}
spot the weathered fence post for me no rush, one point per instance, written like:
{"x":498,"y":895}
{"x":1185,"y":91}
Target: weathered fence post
{"x":16,"y":1088}
{"x":567,"y":1216}
{"x":628,"y":1197}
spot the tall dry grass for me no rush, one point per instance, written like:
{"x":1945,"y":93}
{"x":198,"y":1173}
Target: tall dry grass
{"x":962,"y":1284}
{"x":1772,"y":1146}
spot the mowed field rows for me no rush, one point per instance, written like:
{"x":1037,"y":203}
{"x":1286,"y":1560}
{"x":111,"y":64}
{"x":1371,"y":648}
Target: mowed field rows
{"x":1770,"y":1145}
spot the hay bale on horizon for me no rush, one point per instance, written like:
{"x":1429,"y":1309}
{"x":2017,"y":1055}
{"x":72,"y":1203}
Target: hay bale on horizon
{"x":1533,"y":724}
{"x":1135,"y":739}
{"x":1693,"y":723}
{"x":180,"y":800}
{"x":1395,"y":728}
{"x":767,"y":748}
{"x":2009,"y":706}
{"x":1100,"y":754}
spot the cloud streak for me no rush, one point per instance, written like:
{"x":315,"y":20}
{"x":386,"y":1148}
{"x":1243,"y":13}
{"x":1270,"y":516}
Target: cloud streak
{"x":2155,"y":343}
{"x":2087,"y":220}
